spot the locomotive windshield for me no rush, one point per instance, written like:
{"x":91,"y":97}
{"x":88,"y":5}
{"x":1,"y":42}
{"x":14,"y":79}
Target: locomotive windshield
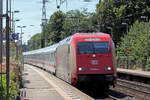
{"x":93,"y":47}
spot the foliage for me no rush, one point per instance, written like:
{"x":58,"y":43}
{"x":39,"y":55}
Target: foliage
{"x":76,"y":21}
{"x":13,"y":85}
{"x":62,"y":25}
{"x":54,"y":27}
{"x":136,"y":41}
{"x":113,"y":12}
{"x":14,"y":89}
{"x":34,"y":42}
{"x":3,"y":91}
{"x":110,"y":13}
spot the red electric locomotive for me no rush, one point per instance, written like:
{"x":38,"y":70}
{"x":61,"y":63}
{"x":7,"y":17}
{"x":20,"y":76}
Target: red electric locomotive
{"x":85,"y":58}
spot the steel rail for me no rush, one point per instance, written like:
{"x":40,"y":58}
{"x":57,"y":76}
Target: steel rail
{"x":134,"y":86}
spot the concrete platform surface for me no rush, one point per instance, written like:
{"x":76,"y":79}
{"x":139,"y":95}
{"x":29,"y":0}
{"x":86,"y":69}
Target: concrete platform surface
{"x":134,"y":72}
{"x":36,"y":87}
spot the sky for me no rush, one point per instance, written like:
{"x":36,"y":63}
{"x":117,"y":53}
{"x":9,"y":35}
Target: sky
{"x":31,"y":13}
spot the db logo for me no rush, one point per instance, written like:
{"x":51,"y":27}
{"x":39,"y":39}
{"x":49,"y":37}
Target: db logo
{"x":94,"y":62}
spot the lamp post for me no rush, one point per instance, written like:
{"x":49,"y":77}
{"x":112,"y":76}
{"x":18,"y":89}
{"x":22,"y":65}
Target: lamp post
{"x":13,"y":21}
{"x":21,"y":27}
{"x":127,"y":45}
{"x":14,"y":26}
{"x":146,"y":17}
{"x":111,"y":29}
{"x":12,"y":18}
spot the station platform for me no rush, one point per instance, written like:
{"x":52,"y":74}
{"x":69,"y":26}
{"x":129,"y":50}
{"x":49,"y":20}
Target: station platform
{"x":139,"y":73}
{"x":36,"y":87}
{"x":41,"y":85}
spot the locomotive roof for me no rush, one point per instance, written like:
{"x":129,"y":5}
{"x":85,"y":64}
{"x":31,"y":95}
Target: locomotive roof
{"x":91,"y":35}
{"x":94,"y":33}
{"x":46,"y":49}
{"x":64,"y":41}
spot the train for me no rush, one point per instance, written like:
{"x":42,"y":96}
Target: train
{"x":82,"y":58}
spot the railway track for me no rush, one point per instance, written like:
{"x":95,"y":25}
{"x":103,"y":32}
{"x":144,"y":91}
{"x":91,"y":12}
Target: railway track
{"x":112,"y":97}
{"x":135,"y":89}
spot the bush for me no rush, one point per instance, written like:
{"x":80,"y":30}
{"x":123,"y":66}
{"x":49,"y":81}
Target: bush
{"x":14,"y":86}
{"x":3,"y":91}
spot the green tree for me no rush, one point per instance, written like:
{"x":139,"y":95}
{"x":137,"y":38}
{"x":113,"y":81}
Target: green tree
{"x":55,"y":27}
{"x":34,"y":42}
{"x":76,"y":21}
{"x":137,"y":43}
{"x":113,"y":12}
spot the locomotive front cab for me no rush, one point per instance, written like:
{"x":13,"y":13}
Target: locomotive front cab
{"x":95,"y":59}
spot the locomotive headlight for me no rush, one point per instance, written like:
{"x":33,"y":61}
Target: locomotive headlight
{"x":80,"y":68}
{"x":93,"y":55}
{"x":107,"y":68}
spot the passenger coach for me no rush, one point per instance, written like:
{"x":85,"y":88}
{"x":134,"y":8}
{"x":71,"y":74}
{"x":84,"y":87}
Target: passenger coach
{"x":44,"y":58}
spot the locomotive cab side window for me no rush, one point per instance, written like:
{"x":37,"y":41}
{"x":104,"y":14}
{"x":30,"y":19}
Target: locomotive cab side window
{"x":93,"y":47}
